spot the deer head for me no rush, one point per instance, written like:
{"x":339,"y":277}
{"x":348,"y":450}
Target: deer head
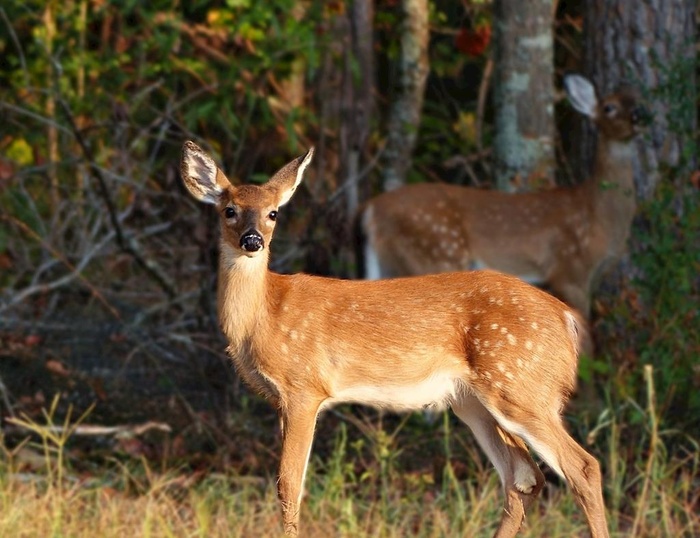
{"x":248,"y":212}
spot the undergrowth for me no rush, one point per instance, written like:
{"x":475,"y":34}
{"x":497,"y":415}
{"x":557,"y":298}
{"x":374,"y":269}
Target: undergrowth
{"x":650,"y":490}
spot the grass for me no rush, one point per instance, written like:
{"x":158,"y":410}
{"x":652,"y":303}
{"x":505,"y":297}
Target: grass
{"x":650,"y":491}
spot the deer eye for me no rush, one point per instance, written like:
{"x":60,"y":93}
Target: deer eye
{"x":229,"y":213}
{"x":272,"y":215}
{"x":609,"y":109}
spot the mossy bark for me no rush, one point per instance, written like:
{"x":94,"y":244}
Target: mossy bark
{"x":407,"y":105}
{"x":650,"y":44}
{"x":523,"y":148}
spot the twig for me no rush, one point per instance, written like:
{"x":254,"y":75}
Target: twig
{"x":75,"y":270}
{"x":6,"y":398}
{"x":481,"y":103}
{"x":33,"y":115}
{"x":93,"y":430}
{"x":15,"y":40}
{"x":129,"y":245}
{"x":653,"y":445}
{"x":465,"y":162}
{"x":360,"y":176}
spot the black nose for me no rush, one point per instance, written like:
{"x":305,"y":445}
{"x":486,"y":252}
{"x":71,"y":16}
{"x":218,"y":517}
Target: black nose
{"x":641,"y":116}
{"x":252,"y":242}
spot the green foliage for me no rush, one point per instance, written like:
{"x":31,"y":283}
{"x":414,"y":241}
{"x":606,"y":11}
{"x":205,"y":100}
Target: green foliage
{"x":660,"y":313}
{"x":201,"y":67}
{"x":114,"y":88}
{"x":670,"y":290}
{"x":677,"y":93}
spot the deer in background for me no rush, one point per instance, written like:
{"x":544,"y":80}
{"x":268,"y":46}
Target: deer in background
{"x":501,"y":353}
{"x":560,"y":238}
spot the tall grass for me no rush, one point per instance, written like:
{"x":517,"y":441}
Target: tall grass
{"x":649,"y":492}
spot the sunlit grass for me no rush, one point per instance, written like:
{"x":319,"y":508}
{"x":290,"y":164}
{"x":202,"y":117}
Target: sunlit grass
{"x":335,"y":505}
{"x":649,"y":493}
{"x":223,"y":506}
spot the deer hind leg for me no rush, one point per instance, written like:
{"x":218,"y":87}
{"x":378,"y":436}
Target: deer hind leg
{"x":520,"y":476}
{"x":298,"y":425}
{"x":548,"y":437}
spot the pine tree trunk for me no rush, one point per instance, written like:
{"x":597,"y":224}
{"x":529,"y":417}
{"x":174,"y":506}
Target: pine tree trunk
{"x":648,"y":43}
{"x":523,"y":148}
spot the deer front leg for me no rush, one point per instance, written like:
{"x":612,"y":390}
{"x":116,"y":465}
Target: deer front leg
{"x":298,"y":424}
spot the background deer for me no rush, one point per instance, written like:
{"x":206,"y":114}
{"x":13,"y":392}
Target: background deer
{"x":559,"y":238}
{"x":499,"y":352}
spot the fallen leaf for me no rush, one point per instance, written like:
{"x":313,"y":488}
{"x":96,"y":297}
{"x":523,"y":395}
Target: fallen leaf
{"x":32,"y":340}
{"x":56,"y":367}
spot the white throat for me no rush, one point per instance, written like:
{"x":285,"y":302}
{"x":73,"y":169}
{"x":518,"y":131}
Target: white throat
{"x":241,"y":293}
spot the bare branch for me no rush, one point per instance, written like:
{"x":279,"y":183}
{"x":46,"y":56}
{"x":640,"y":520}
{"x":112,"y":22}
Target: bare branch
{"x":128,"y":244}
{"x":76,"y":271}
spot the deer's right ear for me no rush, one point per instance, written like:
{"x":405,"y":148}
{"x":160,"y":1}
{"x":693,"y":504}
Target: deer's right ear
{"x":200,"y":174}
{"x":581,"y":95}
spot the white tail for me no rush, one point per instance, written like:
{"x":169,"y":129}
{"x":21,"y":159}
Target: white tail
{"x":559,"y":238}
{"x":501,"y":353}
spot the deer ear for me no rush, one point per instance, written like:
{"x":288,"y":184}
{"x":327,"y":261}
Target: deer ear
{"x":287,"y":179}
{"x":581,"y":95}
{"x":200,"y":174}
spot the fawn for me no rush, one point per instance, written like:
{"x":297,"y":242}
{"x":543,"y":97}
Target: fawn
{"x":561,"y":238}
{"x":501,"y":353}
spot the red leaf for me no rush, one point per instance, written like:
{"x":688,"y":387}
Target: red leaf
{"x":473,"y":42}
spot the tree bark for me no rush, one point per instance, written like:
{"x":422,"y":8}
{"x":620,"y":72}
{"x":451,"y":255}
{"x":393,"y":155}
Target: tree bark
{"x":358,"y":105}
{"x":649,"y":43}
{"x":523,"y":149}
{"x":406,"y":107}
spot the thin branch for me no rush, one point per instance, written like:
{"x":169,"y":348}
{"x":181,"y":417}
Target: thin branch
{"x":15,"y":40}
{"x":481,"y":103}
{"x":94,"y":430}
{"x":75,"y":271}
{"x":128,"y":244}
{"x":352,"y":181}
{"x":6,"y":398}
{"x":38,"y":117}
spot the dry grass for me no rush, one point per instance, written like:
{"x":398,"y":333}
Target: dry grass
{"x":144,"y":504}
{"x":650,"y":492}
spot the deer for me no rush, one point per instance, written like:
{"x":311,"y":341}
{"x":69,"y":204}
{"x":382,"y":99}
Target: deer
{"x":562,"y":239}
{"x":499,"y":352}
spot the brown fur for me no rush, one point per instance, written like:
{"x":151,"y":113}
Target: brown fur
{"x":561,"y":238}
{"x":501,"y":353}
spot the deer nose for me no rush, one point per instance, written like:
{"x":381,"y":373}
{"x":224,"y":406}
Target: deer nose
{"x":641,"y":116}
{"x":252,"y":241}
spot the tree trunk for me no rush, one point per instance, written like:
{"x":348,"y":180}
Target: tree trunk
{"x":650,"y":44}
{"x":523,"y":148}
{"x":405,"y":112}
{"x":358,"y":105}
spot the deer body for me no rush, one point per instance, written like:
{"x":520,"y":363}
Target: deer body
{"x":561,"y":238}
{"x":305,"y":334}
{"x":499,"y":352}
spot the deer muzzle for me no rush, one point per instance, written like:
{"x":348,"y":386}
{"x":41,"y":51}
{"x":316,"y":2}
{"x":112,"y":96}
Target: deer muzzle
{"x":641,"y":116}
{"x":252,"y":241}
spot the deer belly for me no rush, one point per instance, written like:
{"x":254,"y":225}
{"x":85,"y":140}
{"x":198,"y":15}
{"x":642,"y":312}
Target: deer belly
{"x":436,"y":391}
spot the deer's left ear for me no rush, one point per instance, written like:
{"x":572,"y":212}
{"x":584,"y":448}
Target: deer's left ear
{"x":287,"y":179}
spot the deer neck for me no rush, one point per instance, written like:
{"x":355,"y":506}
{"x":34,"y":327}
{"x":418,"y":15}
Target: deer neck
{"x":613,"y":197}
{"x":613,"y":184}
{"x":242,"y":295}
